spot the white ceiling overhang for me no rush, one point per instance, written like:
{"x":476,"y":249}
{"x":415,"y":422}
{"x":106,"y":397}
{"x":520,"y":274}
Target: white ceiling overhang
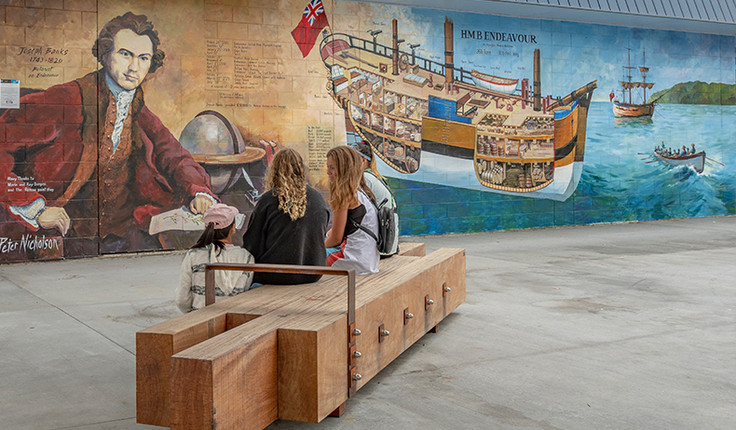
{"x":702,"y":16}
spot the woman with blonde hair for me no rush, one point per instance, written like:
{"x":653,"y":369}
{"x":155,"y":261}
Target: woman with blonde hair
{"x":289,"y":222}
{"x":350,"y":200}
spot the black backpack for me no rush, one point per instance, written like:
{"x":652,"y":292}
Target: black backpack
{"x":386,"y":228}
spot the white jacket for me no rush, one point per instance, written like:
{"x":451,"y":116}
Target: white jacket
{"x":190,"y":292}
{"x":360,"y":251}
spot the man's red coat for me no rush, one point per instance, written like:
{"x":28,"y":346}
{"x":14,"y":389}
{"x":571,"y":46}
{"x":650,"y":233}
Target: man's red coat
{"x":41,"y":147}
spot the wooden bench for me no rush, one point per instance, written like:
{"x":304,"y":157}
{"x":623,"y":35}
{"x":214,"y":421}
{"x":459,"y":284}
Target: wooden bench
{"x":289,"y":351}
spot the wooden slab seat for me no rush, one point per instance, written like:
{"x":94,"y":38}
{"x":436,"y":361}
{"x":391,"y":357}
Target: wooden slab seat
{"x":283,"y":352}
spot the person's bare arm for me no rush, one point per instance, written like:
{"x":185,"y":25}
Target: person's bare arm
{"x":335,"y":234}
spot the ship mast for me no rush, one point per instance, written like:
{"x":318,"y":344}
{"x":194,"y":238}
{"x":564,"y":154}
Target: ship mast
{"x":627,"y":84}
{"x":627,"y":74}
{"x":395,"y":43}
{"x":449,"y":52}
{"x":643,"y":69}
{"x":537,"y":82}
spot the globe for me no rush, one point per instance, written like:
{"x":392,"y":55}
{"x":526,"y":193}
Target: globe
{"x":217,"y":144}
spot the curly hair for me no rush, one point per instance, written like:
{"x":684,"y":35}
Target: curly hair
{"x":349,"y":177}
{"x":140,"y":25}
{"x":287,"y":178}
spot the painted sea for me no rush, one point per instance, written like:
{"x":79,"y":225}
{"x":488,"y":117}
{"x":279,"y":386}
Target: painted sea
{"x":619,"y":182}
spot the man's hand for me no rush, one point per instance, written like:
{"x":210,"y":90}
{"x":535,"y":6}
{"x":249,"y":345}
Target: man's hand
{"x":200,"y":204}
{"x":54,"y":217}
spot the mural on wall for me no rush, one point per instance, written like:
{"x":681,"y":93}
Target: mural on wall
{"x":405,"y":105}
{"x":479,"y":122}
{"x":91,"y":169}
{"x":97,"y":187}
{"x":625,"y":106}
{"x":653,"y":148}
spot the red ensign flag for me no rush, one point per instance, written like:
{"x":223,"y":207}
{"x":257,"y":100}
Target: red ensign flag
{"x":313,"y":20}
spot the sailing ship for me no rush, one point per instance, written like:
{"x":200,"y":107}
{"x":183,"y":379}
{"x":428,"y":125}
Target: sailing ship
{"x":404,"y":105}
{"x":626,"y":108}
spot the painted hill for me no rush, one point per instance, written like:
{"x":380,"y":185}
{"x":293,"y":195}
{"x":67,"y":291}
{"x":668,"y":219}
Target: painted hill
{"x":698,"y":93}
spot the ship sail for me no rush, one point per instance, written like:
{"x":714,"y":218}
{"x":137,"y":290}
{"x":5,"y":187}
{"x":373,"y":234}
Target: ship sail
{"x":626,"y":107}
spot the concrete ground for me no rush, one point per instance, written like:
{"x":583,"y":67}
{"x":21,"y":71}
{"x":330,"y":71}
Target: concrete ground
{"x":626,"y":326}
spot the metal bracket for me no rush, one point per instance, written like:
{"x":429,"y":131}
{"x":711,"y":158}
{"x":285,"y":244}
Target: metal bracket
{"x":382,"y":333}
{"x":355,"y":376}
{"x":427,"y":302}
{"x":353,"y":355}
{"x":445,"y":289}
{"x":407,"y":316}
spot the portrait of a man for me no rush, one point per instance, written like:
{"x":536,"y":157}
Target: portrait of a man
{"x":89,"y":161}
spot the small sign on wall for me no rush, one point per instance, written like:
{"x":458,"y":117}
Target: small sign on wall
{"x":9,"y":94}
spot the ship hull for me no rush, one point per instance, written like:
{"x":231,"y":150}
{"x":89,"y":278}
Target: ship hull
{"x":448,"y":138}
{"x":539,"y":166}
{"x":625,"y":110}
{"x":455,"y":173}
{"x":396,"y":141}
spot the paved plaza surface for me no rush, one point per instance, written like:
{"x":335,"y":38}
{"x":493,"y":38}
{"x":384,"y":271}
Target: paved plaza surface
{"x":618,"y":326}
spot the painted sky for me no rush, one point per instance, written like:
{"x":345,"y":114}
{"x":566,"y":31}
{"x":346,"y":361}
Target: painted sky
{"x":572,"y":54}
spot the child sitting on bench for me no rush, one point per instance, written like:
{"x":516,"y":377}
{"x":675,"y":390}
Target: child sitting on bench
{"x":214,"y":246}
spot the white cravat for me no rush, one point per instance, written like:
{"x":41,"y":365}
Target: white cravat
{"x":123,"y":98}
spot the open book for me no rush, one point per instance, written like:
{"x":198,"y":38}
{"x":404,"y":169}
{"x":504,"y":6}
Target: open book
{"x":183,"y":220}
{"x":176,"y":219}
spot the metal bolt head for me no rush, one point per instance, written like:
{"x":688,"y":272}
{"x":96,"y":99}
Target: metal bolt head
{"x":385,"y":333}
{"x":430,"y":301}
{"x":409,"y":315}
{"x":447,"y":289}
{"x":357,"y":354}
{"x":357,"y":332}
{"x":357,"y":376}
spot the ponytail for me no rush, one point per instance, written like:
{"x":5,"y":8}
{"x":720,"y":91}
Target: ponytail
{"x":212,"y":235}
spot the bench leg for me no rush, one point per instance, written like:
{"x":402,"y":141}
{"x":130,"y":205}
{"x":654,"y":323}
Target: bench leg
{"x":339,"y":411}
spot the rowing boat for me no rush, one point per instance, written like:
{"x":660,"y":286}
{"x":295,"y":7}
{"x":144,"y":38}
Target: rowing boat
{"x":696,"y":161}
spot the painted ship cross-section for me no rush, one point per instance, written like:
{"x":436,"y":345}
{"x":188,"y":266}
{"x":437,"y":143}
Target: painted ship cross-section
{"x":403,"y":105}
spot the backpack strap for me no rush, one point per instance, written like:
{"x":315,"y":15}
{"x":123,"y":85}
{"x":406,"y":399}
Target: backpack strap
{"x":361,"y":226}
{"x":365,"y":229}
{"x":372,"y":173}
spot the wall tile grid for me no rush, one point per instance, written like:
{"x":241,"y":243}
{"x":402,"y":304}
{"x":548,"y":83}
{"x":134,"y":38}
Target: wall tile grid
{"x":618,"y":183}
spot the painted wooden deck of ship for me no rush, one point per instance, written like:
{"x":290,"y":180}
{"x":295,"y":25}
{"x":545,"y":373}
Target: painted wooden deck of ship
{"x":496,"y":103}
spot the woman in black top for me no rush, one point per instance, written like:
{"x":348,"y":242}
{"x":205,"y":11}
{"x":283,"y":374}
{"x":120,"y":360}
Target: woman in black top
{"x":289,"y":222}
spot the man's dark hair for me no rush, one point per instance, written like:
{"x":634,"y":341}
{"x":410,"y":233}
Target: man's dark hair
{"x":363,"y":149}
{"x":140,"y":25}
